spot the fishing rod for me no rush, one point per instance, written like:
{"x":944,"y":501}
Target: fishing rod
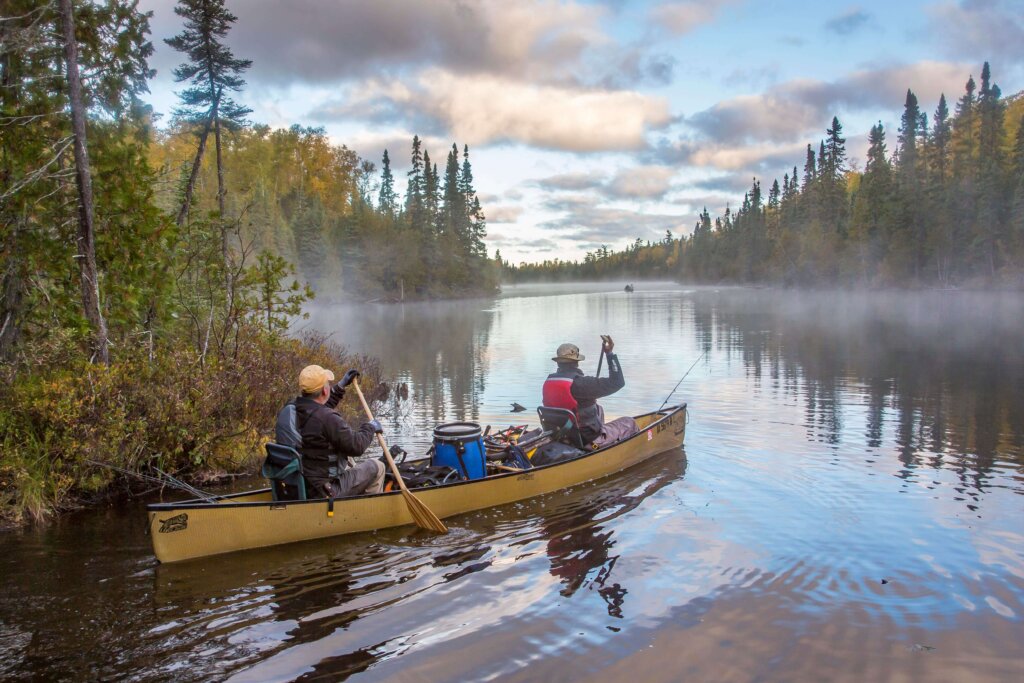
{"x":681,"y":381}
{"x":163,"y":480}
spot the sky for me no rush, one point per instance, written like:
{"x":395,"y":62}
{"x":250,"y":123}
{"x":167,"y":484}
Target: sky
{"x":595,"y":123}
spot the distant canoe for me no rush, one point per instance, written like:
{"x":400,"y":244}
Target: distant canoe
{"x":198,"y":528}
{"x":628,"y":289}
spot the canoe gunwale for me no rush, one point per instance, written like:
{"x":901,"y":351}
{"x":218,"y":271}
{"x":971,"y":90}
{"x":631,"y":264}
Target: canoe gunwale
{"x":199,"y":504}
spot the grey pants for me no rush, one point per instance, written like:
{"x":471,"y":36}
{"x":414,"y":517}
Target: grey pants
{"x":616,"y":430}
{"x":362,"y":476}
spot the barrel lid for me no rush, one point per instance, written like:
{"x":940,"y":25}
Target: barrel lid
{"x":457,"y":430}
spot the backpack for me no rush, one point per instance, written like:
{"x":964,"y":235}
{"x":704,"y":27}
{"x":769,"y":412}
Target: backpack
{"x":286,"y":431}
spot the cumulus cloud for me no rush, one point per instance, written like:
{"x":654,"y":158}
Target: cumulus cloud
{"x":502,"y":214}
{"x":848,"y":22}
{"x":680,"y":18}
{"x":981,"y":29}
{"x":572,"y":181}
{"x":597,"y":225}
{"x":641,"y":182}
{"x":329,"y":42}
{"x":787,"y":111}
{"x":483,"y":108}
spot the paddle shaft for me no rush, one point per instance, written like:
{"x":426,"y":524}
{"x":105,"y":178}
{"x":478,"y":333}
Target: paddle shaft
{"x":421,"y":514}
{"x":380,"y":438}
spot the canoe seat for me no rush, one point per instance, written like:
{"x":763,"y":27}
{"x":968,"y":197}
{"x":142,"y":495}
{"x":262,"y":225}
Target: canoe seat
{"x":283,"y":467}
{"x":563,"y":423}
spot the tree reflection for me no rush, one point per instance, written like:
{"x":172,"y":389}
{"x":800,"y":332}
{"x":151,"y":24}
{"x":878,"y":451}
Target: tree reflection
{"x":943,"y":371}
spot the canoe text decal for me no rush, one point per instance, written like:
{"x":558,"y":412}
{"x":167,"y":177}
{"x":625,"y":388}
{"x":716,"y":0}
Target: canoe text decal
{"x":650,"y":435}
{"x":175,"y":523}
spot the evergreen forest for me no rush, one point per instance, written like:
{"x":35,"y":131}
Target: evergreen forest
{"x":939,"y":203}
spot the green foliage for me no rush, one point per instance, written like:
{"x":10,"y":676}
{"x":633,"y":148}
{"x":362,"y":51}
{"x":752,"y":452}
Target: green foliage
{"x":211,"y":70}
{"x":267,"y":299}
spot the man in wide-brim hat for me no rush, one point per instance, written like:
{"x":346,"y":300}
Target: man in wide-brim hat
{"x":569,"y":388}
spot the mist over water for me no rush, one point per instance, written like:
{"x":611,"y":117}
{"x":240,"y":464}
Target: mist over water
{"x":848,"y":506}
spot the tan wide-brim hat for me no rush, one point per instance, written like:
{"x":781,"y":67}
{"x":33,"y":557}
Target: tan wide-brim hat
{"x":568,"y":353}
{"x":313,"y":378}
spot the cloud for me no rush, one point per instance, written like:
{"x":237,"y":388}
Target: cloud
{"x":680,"y":18}
{"x":789,"y":110}
{"x":981,"y":30}
{"x":483,"y":109}
{"x":502,"y":214}
{"x":597,"y":225}
{"x":848,"y":22}
{"x":542,"y":244}
{"x":316,"y":42}
{"x":641,"y":182}
{"x":572,"y":181}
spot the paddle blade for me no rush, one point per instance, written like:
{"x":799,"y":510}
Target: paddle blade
{"x":422,"y":515}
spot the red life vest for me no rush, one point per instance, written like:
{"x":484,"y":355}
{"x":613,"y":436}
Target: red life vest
{"x":558,"y":394}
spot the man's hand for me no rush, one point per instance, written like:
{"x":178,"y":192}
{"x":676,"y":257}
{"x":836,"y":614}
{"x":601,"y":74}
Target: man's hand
{"x":607,"y":344}
{"x":377,"y":429}
{"x":348,"y":377}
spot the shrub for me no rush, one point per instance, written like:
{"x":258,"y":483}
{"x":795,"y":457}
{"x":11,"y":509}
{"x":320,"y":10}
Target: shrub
{"x":188,"y":418}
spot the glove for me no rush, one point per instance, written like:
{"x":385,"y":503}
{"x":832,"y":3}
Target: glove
{"x":348,"y":377}
{"x":377,"y":429}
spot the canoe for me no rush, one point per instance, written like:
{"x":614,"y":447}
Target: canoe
{"x":197,"y":528}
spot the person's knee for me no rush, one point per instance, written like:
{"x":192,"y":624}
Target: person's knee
{"x":376,"y":484}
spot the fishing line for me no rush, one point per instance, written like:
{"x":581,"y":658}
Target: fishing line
{"x":681,"y":380}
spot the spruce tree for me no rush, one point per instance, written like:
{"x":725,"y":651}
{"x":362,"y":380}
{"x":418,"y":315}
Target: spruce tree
{"x":386,"y":198}
{"x":414,"y":188}
{"x":454,"y":208}
{"x":833,"y":174}
{"x":991,"y":195}
{"x":212,"y":72}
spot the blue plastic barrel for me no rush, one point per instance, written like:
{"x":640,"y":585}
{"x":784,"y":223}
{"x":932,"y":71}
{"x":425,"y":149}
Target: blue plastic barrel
{"x":460,"y":445}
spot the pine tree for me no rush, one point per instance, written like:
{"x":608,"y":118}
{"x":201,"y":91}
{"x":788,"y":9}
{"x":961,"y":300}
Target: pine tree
{"x":212,"y":72}
{"x":833,"y":175}
{"x":415,"y":187}
{"x":991,"y":195}
{"x":939,"y":193}
{"x":475,"y":221}
{"x":454,"y":202}
{"x":810,"y":172}
{"x":387,"y":198}
{"x":431,"y":189}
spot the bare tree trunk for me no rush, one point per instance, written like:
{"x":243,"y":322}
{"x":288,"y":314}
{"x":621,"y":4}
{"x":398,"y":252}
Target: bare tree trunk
{"x":229,"y":280}
{"x":12,"y":289}
{"x":197,"y":163}
{"x":86,"y":235}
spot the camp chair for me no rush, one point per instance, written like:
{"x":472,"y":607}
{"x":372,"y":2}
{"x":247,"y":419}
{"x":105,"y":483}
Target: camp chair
{"x":283,"y":467}
{"x":563,"y":423}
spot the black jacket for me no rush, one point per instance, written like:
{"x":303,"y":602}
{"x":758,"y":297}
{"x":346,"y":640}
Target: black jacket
{"x":325,"y":434}
{"x":586,"y":391}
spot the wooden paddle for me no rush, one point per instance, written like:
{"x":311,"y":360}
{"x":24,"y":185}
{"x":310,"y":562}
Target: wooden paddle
{"x":421,"y":514}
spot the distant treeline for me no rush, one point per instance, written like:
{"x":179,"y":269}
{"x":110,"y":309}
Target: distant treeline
{"x":945,"y":208}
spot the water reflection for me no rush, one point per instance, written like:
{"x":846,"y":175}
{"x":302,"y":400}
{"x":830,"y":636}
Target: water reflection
{"x":940,"y":374}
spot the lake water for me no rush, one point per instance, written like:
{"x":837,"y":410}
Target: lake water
{"x":848,"y":506}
